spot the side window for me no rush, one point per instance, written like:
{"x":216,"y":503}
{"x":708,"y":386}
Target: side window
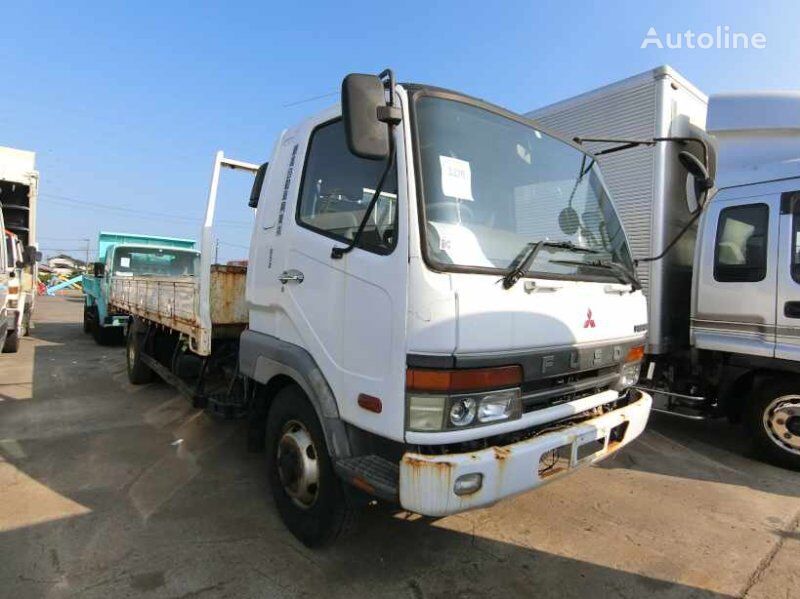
{"x":740,"y":254}
{"x":796,"y":245}
{"x":337,"y":188}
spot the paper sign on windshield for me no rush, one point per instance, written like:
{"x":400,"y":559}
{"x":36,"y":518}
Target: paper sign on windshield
{"x":456,"y":178}
{"x":125,"y":262}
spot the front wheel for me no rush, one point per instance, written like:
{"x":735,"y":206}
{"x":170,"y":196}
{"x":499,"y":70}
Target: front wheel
{"x":310,"y":498}
{"x":774,"y":422}
{"x":87,"y":319}
{"x":11,"y":344}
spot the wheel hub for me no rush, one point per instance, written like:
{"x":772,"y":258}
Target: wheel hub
{"x":298,"y":467}
{"x":782,"y":422}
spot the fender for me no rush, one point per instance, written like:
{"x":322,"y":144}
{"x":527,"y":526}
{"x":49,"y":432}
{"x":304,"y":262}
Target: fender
{"x":262,"y":357}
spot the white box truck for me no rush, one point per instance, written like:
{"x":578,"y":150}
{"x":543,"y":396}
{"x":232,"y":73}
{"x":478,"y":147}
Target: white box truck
{"x":723,"y":290}
{"x":19,"y":189}
{"x":422,"y":319}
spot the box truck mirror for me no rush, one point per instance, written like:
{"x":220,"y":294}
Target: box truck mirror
{"x":568,"y":221}
{"x":698,"y":181}
{"x":367,"y":136}
{"x":255,"y":192}
{"x":99,"y":269}
{"x":32,"y":255}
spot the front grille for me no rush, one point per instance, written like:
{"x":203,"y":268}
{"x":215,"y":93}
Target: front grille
{"x":537,"y":395}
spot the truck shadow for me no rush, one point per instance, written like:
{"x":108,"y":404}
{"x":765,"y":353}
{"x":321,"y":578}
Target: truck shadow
{"x":713,"y":451}
{"x":112,"y":490}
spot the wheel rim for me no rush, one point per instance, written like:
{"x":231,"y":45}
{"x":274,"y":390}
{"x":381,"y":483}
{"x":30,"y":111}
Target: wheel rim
{"x":131,"y":353}
{"x":782,"y":422}
{"x":298,"y":466}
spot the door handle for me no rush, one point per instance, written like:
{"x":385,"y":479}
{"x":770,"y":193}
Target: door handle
{"x":791,"y":309}
{"x":291,"y":275}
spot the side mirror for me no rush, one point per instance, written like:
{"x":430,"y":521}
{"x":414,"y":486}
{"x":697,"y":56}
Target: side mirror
{"x":698,"y":182}
{"x":569,"y":221}
{"x":99,"y":269}
{"x":20,"y":264}
{"x":255,"y":192}
{"x":367,"y":136}
{"x":32,"y":255}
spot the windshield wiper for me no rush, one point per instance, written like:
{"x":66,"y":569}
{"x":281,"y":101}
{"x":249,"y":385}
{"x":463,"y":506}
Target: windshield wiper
{"x":622,"y":273}
{"x":525,"y":258}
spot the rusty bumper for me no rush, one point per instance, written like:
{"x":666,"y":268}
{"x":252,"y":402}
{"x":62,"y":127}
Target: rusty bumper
{"x":427,"y":482}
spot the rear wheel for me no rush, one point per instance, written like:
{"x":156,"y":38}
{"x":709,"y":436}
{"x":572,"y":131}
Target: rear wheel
{"x":775,"y":422}
{"x":139,"y":373}
{"x":310,"y":498}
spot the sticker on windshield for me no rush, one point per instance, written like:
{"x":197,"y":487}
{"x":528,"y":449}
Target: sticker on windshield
{"x":456,"y":178}
{"x":125,"y":262}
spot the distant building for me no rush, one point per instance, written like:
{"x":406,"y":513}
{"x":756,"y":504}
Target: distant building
{"x":63,"y":264}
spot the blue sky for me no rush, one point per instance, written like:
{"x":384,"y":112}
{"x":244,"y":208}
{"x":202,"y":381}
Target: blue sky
{"x":126,"y":105}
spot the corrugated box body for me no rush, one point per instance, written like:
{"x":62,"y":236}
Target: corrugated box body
{"x":646,"y":183}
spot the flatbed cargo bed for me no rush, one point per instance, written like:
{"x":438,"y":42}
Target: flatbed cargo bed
{"x":177,"y":303}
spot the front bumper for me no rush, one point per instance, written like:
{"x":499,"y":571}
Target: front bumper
{"x":427,"y":482}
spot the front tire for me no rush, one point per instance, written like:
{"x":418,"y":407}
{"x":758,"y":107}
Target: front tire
{"x":310,"y":498}
{"x":774,"y":422}
{"x":139,"y":373}
{"x":87,"y":319}
{"x":11,"y":344}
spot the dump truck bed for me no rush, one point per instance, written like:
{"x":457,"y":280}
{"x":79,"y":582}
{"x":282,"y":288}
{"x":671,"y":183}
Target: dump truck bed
{"x":177,"y":303}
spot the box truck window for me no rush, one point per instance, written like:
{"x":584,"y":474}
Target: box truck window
{"x":740,"y":254}
{"x":492,"y":184}
{"x":337,"y":188}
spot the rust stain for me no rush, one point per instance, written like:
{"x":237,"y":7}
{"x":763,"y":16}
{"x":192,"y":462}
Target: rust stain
{"x":501,"y":453}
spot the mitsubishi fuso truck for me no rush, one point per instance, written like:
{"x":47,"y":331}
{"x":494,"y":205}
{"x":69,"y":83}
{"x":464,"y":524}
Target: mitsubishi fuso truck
{"x":717,"y":254}
{"x":125,"y":255}
{"x":438,"y":310}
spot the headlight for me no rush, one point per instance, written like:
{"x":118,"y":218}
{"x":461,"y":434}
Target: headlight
{"x":442,"y":412}
{"x":628,"y":375}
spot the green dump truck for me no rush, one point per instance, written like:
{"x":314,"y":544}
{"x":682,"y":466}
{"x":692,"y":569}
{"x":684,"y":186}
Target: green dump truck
{"x":128,"y":255}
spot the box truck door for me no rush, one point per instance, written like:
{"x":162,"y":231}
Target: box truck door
{"x":787,"y":341}
{"x":735,"y":302}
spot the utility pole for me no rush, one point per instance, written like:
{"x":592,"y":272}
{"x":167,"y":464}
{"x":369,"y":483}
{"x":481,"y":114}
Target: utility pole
{"x":86,"y":264}
{"x":216,"y":251}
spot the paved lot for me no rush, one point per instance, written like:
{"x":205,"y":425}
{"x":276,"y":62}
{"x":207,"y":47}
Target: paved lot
{"x":110,"y":490}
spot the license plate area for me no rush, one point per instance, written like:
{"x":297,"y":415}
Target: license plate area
{"x":581,"y":449}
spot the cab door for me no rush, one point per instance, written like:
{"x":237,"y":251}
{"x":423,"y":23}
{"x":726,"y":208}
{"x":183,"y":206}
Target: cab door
{"x":734,"y":307}
{"x":348,"y":312}
{"x":787,"y":304}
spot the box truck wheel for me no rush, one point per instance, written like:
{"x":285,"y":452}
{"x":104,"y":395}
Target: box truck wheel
{"x":11,"y":344}
{"x":774,"y":421}
{"x":139,"y":373}
{"x":310,"y":498}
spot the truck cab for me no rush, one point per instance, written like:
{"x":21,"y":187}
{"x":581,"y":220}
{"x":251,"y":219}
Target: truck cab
{"x":128,"y":255}
{"x":442,"y":310}
{"x":5,"y":275}
{"x":19,"y":298}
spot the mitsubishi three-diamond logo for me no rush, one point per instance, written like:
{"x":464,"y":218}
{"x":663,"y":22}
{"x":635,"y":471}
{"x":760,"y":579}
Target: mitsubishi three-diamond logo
{"x":590,"y":323}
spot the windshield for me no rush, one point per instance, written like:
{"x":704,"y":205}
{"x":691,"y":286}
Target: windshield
{"x":491,"y":185}
{"x":162,"y":262}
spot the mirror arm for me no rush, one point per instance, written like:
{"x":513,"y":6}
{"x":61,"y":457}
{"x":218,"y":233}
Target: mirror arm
{"x":338,"y":252}
{"x":627,"y":144}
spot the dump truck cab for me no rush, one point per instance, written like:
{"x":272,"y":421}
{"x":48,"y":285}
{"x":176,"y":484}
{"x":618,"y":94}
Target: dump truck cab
{"x":19,"y":298}
{"x":126,"y":255}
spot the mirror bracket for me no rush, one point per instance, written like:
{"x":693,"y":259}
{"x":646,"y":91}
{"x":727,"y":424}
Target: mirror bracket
{"x":391,"y":115}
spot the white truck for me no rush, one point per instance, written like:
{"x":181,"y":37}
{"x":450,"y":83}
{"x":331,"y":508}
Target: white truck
{"x":425,"y":317}
{"x":5,"y":275}
{"x":721,"y":274}
{"x":19,"y":188}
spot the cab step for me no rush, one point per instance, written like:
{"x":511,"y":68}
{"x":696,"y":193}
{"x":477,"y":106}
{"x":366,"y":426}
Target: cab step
{"x":371,"y":473}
